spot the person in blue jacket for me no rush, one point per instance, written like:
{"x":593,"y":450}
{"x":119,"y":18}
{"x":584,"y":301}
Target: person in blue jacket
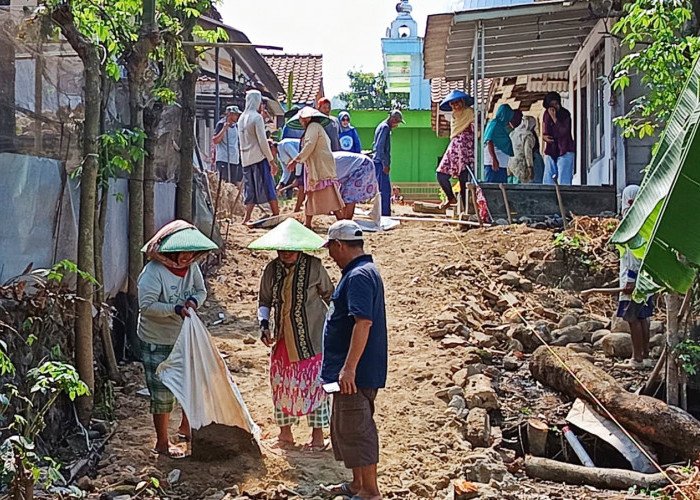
{"x":382,"y":157}
{"x":349,"y":138}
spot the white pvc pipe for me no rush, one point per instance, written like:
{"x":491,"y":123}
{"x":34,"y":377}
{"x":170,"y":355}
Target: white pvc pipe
{"x":578,"y":448}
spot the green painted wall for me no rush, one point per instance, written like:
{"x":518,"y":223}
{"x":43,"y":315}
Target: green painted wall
{"x":414,"y":146}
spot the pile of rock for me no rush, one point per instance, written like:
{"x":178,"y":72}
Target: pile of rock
{"x":469,"y":402}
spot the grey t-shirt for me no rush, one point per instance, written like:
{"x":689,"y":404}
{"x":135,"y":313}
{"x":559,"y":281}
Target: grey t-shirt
{"x":227,"y":150}
{"x":160,"y":290}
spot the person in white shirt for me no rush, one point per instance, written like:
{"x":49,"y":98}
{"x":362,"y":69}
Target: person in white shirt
{"x":256,"y":157}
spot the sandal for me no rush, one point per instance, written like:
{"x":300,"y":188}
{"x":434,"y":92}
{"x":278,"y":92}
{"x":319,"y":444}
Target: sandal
{"x":184,"y":438}
{"x":172,"y":453}
{"x":339,"y":489}
{"x":310,"y":448}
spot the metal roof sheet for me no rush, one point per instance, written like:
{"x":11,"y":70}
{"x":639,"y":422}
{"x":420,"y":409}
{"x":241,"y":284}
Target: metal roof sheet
{"x":540,"y":37}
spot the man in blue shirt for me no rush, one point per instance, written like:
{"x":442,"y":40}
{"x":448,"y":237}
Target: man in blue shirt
{"x":382,"y":157}
{"x":355,"y":356}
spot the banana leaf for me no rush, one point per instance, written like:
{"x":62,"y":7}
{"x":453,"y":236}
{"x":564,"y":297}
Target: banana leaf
{"x":659,"y":227}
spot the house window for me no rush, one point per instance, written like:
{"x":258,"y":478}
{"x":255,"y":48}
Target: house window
{"x":598,"y":80}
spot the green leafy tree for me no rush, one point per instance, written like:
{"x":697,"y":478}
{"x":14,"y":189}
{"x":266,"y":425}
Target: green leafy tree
{"x":662,"y":47}
{"x":368,"y":91}
{"x":20,"y":459}
{"x":107,"y":36}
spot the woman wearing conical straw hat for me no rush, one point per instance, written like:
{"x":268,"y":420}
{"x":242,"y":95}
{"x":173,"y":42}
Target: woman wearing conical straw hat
{"x":292,"y":303}
{"x":170,"y":285}
{"x":321,"y":184}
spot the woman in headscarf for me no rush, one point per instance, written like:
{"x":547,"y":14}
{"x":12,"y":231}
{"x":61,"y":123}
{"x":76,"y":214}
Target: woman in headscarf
{"x":559,"y":149}
{"x":321,"y":184}
{"x":256,"y":157}
{"x":521,"y":165}
{"x":458,"y":159}
{"x":297,"y":289}
{"x":349,"y":138}
{"x":170,"y":286}
{"x":358,"y":181}
{"x":497,"y":146}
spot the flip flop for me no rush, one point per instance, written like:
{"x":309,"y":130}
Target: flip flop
{"x":309,"y":448}
{"x":184,"y":437}
{"x":339,"y":489}
{"x":169,"y":454}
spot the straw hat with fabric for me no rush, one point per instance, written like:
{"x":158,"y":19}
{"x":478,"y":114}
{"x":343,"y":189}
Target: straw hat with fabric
{"x":290,"y":236}
{"x":308,"y":112}
{"x":177,"y":236}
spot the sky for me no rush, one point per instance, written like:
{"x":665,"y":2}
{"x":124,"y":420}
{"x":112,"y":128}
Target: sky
{"x":347,"y":33}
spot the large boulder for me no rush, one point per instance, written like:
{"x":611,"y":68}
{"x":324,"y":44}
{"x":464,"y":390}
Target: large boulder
{"x":620,"y":325}
{"x":480,"y":393}
{"x":599,"y":335}
{"x":617,"y":345}
{"x":478,"y":428}
{"x":567,"y":320}
{"x":568,"y":335}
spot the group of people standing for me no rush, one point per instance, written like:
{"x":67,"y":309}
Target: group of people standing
{"x":328,"y":342}
{"x":320,"y":154}
{"x":511,"y":146}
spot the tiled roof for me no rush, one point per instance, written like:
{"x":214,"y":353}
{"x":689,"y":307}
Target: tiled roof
{"x":308,"y":75}
{"x":439,"y":88}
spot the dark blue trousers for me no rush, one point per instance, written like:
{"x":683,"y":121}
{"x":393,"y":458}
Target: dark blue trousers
{"x":384,"y":187}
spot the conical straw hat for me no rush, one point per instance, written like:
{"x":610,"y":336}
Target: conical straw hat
{"x":185,"y":240}
{"x":290,"y":235}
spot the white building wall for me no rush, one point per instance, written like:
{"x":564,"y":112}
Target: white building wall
{"x":598,"y":170}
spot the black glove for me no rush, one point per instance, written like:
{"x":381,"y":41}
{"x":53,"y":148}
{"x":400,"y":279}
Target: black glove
{"x":264,"y":326}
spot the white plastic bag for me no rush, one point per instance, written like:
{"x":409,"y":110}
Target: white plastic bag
{"x":196,"y":374}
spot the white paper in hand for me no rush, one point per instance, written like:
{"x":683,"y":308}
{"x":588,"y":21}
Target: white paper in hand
{"x":197,"y":375}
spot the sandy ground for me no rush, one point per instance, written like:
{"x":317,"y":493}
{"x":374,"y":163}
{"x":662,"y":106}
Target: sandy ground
{"x":420,"y":452}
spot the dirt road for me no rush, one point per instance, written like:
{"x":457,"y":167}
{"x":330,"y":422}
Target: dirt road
{"x":420,"y":451}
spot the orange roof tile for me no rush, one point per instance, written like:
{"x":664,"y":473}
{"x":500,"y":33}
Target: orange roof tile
{"x":308,"y":75}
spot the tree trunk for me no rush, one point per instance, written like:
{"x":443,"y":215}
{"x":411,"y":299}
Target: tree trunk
{"x":136,"y":65}
{"x":90,"y":56}
{"x":641,"y":415}
{"x":187,"y":102}
{"x":103,"y":324}
{"x":673,"y":338}
{"x":608,"y":479}
{"x":151,"y":121}
{"x":7,"y":88}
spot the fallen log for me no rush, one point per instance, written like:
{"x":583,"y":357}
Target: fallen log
{"x":644,"y":416}
{"x":609,"y":479}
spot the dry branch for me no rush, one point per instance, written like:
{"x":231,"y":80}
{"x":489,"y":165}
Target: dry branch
{"x":609,"y":479}
{"x":644,"y":416}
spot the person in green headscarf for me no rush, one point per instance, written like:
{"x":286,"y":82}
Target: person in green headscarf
{"x":170,"y":286}
{"x":497,"y":146}
{"x":296,"y":289}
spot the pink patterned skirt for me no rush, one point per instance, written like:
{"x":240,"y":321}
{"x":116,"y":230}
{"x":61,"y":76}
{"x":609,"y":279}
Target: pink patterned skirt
{"x":459,"y":154}
{"x":296,"y":386}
